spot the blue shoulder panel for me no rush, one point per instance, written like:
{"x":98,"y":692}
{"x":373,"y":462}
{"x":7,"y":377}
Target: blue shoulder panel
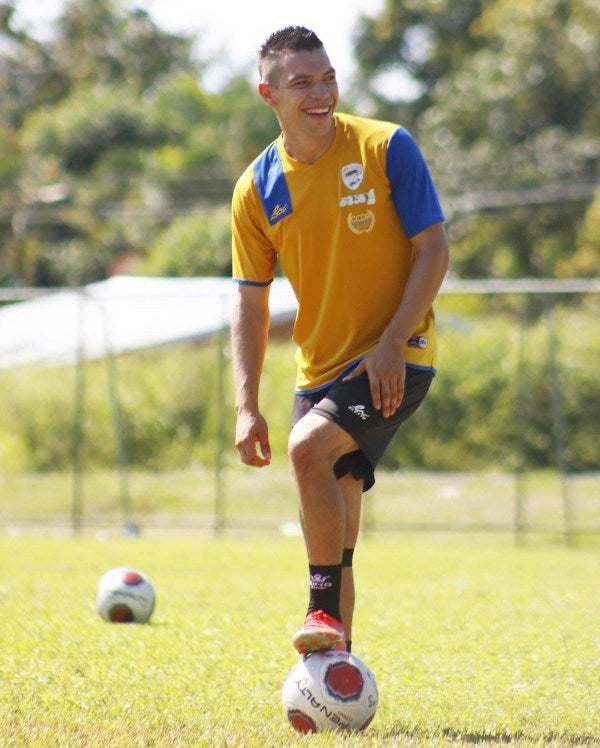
{"x":414,"y":194}
{"x":271,"y":185}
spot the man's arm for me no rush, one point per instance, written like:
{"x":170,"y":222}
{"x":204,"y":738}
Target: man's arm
{"x":249,"y":335}
{"x":385,"y":364}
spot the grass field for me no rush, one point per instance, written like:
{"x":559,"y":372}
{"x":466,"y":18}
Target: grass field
{"x":471,"y":642}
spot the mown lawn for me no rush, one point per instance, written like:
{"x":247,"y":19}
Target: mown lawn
{"x":472,"y":642}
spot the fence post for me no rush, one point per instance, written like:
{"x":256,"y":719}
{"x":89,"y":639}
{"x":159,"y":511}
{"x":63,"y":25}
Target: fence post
{"x":220,"y":446}
{"x":559,"y":426}
{"x":520,"y":400}
{"x":78,"y":419}
{"x":129,"y":527}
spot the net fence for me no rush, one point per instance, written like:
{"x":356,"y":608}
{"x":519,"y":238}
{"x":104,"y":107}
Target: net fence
{"x":143,"y":441}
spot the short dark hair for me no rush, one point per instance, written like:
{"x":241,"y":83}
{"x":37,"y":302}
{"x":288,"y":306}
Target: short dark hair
{"x":288,"y":39}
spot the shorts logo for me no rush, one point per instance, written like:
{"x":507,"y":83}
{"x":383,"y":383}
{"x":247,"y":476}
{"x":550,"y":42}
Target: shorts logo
{"x":359,"y":410}
{"x":352,"y":175}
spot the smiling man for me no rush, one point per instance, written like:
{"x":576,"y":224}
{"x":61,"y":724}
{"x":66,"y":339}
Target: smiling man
{"x":347,"y":209}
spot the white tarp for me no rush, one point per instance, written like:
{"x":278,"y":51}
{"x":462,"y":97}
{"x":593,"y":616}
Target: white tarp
{"x":123,"y":314}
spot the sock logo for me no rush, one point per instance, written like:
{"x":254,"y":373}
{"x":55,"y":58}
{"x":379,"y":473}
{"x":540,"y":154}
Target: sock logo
{"x":320,"y":582}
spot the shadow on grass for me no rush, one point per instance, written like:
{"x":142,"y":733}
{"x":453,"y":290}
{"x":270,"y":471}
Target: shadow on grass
{"x":444,"y":736}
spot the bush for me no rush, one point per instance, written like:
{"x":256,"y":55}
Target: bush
{"x":161,"y":410}
{"x":491,"y":405}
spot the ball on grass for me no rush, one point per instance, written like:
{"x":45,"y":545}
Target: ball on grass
{"x":330,"y":690}
{"x":125,"y":595}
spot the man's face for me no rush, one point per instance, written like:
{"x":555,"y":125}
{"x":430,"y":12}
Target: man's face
{"x":303,"y":93}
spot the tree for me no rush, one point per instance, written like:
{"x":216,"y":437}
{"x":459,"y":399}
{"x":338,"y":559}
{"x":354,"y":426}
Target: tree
{"x":101,"y":41}
{"x":422,"y":39}
{"x":73,"y":153}
{"x":29,"y":76}
{"x":112,"y":143}
{"x":65,"y":104}
{"x":510,"y":123}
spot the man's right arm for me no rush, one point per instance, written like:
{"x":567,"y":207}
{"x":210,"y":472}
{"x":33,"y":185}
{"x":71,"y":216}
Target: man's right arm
{"x":249,"y":335}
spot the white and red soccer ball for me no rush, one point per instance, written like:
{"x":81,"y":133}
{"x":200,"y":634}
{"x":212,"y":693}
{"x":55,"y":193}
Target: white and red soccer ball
{"x":125,"y":595}
{"x":330,"y":690}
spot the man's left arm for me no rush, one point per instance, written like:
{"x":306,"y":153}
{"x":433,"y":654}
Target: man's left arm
{"x":385,"y":364}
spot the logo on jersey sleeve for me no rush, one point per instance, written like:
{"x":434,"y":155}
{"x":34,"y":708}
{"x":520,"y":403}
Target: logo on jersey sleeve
{"x":417,"y":341}
{"x":352,"y":175}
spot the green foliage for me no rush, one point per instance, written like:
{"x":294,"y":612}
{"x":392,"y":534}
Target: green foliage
{"x":249,"y":125}
{"x":427,"y":39}
{"x":497,"y":400}
{"x":97,"y":165}
{"x":111,"y":43}
{"x":166,"y":413}
{"x":86,"y":125}
{"x":492,"y":402}
{"x":469,"y":644}
{"x":508,"y":120}
{"x":193,"y":245}
{"x":586,"y":259}
{"x":108,"y":137}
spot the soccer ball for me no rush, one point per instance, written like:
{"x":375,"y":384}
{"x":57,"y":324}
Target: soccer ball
{"x":329,"y":690}
{"x":125,"y":595}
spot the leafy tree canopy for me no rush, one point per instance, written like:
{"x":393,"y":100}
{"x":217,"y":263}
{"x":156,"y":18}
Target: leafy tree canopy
{"x":110,"y":147}
{"x":107,"y":138}
{"x":509,"y":118}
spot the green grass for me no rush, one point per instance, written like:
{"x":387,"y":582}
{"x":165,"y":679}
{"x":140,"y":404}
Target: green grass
{"x":471,"y":642}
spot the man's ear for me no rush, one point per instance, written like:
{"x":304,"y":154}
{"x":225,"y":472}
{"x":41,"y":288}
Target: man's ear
{"x":266,"y":92}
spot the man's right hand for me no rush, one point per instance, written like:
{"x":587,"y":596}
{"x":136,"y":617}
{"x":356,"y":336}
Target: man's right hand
{"x":252,"y":430}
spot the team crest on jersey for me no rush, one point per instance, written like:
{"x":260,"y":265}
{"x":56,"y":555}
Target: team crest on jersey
{"x":352,"y":175}
{"x":361,"y":223}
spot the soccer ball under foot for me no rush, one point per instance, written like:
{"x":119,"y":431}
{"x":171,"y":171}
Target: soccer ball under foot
{"x":329,"y":690}
{"x":125,"y":595}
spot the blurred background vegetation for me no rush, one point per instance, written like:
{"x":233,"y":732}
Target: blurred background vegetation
{"x":494,"y":410}
{"x":111,"y":151}
{"x":114,"y":158}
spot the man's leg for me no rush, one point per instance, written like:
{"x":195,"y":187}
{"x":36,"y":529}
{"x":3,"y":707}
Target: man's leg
{"x":314,"y":447}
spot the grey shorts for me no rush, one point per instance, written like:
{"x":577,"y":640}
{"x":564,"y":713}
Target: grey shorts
{"x":348,"y":403}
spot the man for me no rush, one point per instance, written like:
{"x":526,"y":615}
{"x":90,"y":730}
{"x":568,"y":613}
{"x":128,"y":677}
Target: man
{"x":348,"y":209}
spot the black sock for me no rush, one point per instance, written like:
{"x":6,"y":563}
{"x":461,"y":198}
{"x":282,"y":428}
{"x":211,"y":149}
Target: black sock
{"x":325,"y":583}
{"x":347,"y":555}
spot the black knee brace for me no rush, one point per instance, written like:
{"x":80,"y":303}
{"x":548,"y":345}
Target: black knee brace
{"x":347,"y":556}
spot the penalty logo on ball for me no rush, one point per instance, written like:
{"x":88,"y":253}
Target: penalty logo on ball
{"x":330,"y":690}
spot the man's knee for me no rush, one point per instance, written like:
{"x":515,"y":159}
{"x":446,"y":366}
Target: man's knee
{"x":303,"y":446}
{"x":315,"y":440}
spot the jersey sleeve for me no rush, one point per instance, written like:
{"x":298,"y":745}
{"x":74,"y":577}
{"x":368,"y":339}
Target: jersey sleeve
{"x":253,"y":257}
{"x":413,"y":191}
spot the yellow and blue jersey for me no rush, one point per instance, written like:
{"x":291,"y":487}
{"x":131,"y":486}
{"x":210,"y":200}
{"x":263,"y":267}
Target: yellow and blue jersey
{"x":340,"y":230}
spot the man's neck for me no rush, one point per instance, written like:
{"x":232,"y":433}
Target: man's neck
{"x":308,"y":150}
